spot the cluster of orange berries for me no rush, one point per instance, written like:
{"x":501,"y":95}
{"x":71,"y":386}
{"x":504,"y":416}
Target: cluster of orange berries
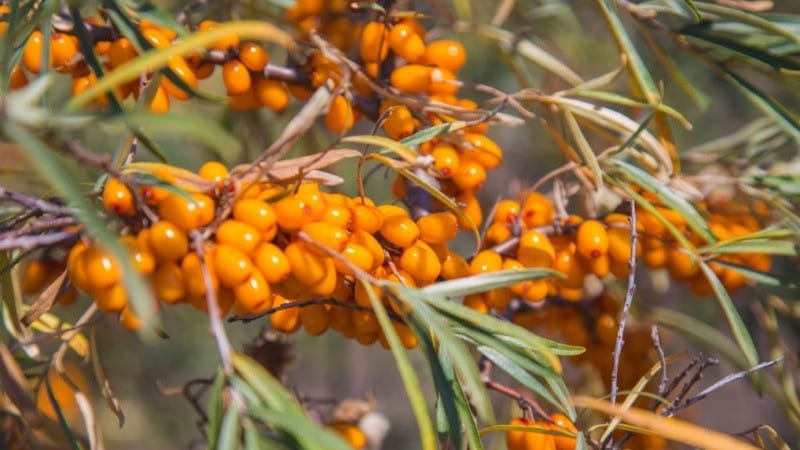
{"x":533,"y":440}
{"x":42,"y":271}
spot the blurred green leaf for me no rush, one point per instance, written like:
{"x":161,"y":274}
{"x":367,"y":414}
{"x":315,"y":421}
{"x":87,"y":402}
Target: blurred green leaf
{"x":230,"y":432}
{"x":585,"y":149}
{"x":214,"y":411}
{"x":484,"y":282}
{"x":185,"y":125}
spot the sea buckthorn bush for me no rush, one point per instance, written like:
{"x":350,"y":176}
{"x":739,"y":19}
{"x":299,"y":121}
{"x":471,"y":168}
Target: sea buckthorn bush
{"x":544,"y":224}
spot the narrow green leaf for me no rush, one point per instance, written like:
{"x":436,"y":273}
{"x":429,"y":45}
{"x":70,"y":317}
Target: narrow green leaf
{"x":585,"y":149}
{"x":385,"y":144}
{"x":230,"y":431}
{"x":693,"y":218}
{"x":519,"y":374}
{"x":187,"y":125}
{"x":738,"y":327}
{"x":484,"y":282}
{"x":55,"y":174}
{"x":686,"y":7}
{"x":447,"y":417}
{"x":410,"y":381}
{"x":767,"y":246}
{"x":613,"y":97}
{"x":429,"y":133}
{"x":214,"y":410}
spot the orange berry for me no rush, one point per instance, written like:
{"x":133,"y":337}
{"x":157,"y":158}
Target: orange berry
{"x":120,"y":52}
{"x":258,"y":214}
{"x":482,"y":150}
{"x":309,"y":267}
{"x":406,"y":43}
{"x":117,"y":197}
{"x":469,"y":176}
{"x":213,"y":171}
{"x":192,"y":273}
{"x":101,"y":268}
{"x":272,"y":93}
{"x":326,"y":235}
{"x":619,"y":244}
{"x":160,"y":102}
{"x":187,"y":212}
{"x":374,"y":43}
{"x":63,"y":50}
{"x":654,"y":252}
{"x":167,"y":241}
{"x":17,"y":79}
{"x":36,"y":275}
{"x":600,"y":266}
{"x":337,"y":215}
{"x":357,"y":255}
{"x":368,"y":241}
{"x":443,"y":82}
{"x":592,"y":239}
{"x":681,"y":264}
{"x":454,"y":266}
{"x":111,"y":298}
{"x":535,"y":250}
{"x":448,"y":54}
{"x":238,"y":234}
{"x":399,"y":230}
{"x":168,"y":283}
{"x":438,"y":228}
{"x":476,"y":302}
{"x":181,"y":69}
{"x":537,"y":210}
{"x":497,"y":233}
{"x":365,"y":218}
{"x":517,"y":439}
{"x":272,"y":262}
{"x":398,"y":121}
{"x":253,"y":56}
{"x":232,"y":265}
{"x":155,"y":38}
{"x":141,"y":256}
{"x":252,"y":296}
{"x":498,"y":298}
{"x":485,"y":261}
{"x":227,"y":42}
{"x":471,"y":208}
{"x":75,"y":268}
{"x":315,"y":319}
{"x":506,"y":212}
{"x":567,"y":263}
{"x":411,"y":78}
{"x":562,"y":423}
{"x":32,"y":53}
{"x":235,"y":77}
{"x":421,"y":262}
{"x":286,"y":320}
{"x":129,"y":320}
{"x":446,"y":160}
{"x":340,"y":116}
{"x":294,"y":211}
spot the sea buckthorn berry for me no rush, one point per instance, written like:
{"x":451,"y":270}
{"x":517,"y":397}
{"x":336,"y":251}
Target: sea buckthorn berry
{"x":445,"y":160}
{"x":654,"y":251}
{"x":272,"y":262}
{"x":271,"y":93}
{"x":392,"y":210}
{"x":600,"y":266}
{"x":129,"y":320}
{"x":367,"y":240}
{"x":168,"y":283}
{"x":437,"y":228}
{"x":181,"y":69}
{"x":448,"y":54}
{"x":315,"y":319}
{"x":498,"y":298}
{"x":421,"y":262}
{"x":681,"y":264}
{"x":374,"y":43}
{"x":562,"y":423}
{"x":76,"y":269}
{"x":366,"y":322}
{"x":517,"y":439}
{"x":213,"y":171}
{"x":358,"y":256}
{"x":309,"y":267}
{"x":326,"y":235}
{"x":286,"y":320}
{"x":443,"y":82}
{"x":365,"y":218}
{"x":117,"y":197}
{"x":253,"y":56}
{"x":398,"y":121}
{"x":337,"y":215}
{"x":294,"y":211}
{"x":476,"y":302}
{"x":591,"y":239}
{"x":471,"y":208}
{"x":17,"y":78}
{"x":483,"y":150}
{"x":325,"y":287}
{"x":187,"y":212}
{"x":619,"y":244}
{"x":36,"y":275}
{"x":411,"y":79}
{"x":167,"y":241}
{"x":506,"y":212}
{"x":406,"y":43}
{"x":160,"y":102}
{"x":469,"y":176}
{"x":454,"y":266}
{"x":120,"y":52}
{"x":143,"y":259}
{"x":258,"y":214}
{"x":252,"y":296}
{"x":485,"y":261}
{"x":567,"y":263}
{"x":243,"y":101}
{"x":399,"y":230}
{"x":32,"y":53}
{"x":236,"y":77}
{"x":111,"y":298}
{"x":340,"y":116}
{"x":63,"y":51}
{"x":351,"y":434}
{"x":155,"y":38}
{"x":238,"y":234}
{"x":232,"y":265}
{"x":101,"y":268}
{"x":535,"y":250}
{"x":229,"y":41}
{"x":537,"y":210}
{"x":497,"y":233}
{"x":192,"y":273}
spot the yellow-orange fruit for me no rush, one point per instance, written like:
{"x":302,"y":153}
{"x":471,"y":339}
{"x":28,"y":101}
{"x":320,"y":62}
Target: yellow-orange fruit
{"x":437,"y":228}
{"x":253,"y":296}
{"x":315,"y":319}
{"x":399,"y":230}
{"x":406,"y":43}
{"x":535,"y":250}
{"x":340,"y":116}
{"x":271,"y":93}
{"x":168,"y":283}
{"x":421,"y":262}
{"x":286,"y":320}
{"x":564,"y":424}
{"x":167,"y":241}
{"x":235,"y":76}
{"x":111,"y":299}
{"x":187,"y":213}
{"x":374,"y":43}
{"x":232,"y":265}
{"x":537,"y":211}
{"x":238,"y":234}
{"x":448,"y":54}
{"x":411,"y":79}
{"x":253,"y":56}
{"x":309,"y":267}
{"x":592,"y":239}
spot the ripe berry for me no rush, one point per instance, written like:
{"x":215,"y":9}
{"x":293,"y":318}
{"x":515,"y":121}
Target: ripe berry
{"x":483,"y":150}
{"x":181,"y":69}
{"x":238,"y":234}
{"x":421,"y":262}
{"x":681,"y":264}
{"x":537,"y":210}
{"x":272,"y":262}
{"x":562,"y":423}
{"x":253,"y":296}
{"x":411,"y":79}
{"x":448,"y":54}
{"x":213,"y":171}
{"x":399,"y":230}
{"x":224,"y":44}
{"x":111,"y":298}
{"x":36,"y":275}
{"x":101,"y":268}
{"x":235,"y":77}
{"x":232,"y":265}
{"x":294,"y":211}
{"x":398,"y":121}
{"x":469,"y":176}
{"x":168,"y":283}
{"x":365,"y":218}
{"x":535,"y":250}
{"x":258,"y":214}
{"x":160,"y":102}
{"x":406,"y":43}
{"x":445,"y":160}
{"x":357,"y":255}
{"x":326,"y":235}
{"x":592,"y":239}
{"x":155,"y":38}
{"x":471,"y":208}
{"x":32,"y":53}
{"x":340,"y":116}
{"x":193,"y":278}
{"x":286,"y":320}
{"x":76,"y":269}
{"x":63,"y":51}
{"x":129,"y":320}
{"x":253,"y":56}
{"x":374,"y":43}
{"x":120,"y":52}
{"x":315,"y":319}
{"x":117,"y":197}
{"x":271,"y":93}
{"x":309,"y":267}
{"x":437,"y":228}
{"x":368,"y":241}
{"x":443,"y":82}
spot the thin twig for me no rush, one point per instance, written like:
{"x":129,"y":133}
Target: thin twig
{"x":33,"y":202}
{"x":626,"y":307}
{"x":662,"y":386}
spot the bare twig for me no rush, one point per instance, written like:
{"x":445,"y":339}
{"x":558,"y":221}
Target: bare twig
{"x":620,"y":342}
{"x":662,"y":385}
{"x":33,"y":202}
